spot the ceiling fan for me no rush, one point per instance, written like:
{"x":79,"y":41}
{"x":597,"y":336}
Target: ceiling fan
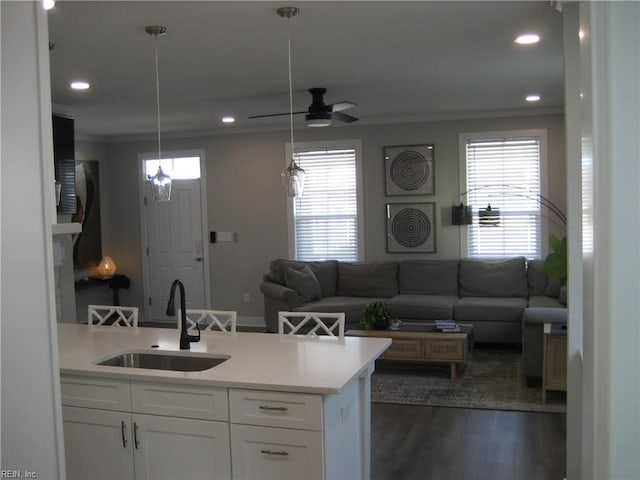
{"x":318,"y":114}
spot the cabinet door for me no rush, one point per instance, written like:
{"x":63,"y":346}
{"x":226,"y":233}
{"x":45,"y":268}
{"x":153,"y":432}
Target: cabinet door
{"x":97,"y":444}
{"x":276,"y":453}
{"x":172,"y":448}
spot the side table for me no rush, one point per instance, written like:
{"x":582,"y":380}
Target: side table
{"x":554,"y":355}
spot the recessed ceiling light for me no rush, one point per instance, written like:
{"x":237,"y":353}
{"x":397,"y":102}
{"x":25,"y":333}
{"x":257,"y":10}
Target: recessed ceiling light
{"x":48,"y":4}
{"x":228,"y":119}
{"x":527,"y":39}
{"x":79,"y":85}
{"x":532,"y":98}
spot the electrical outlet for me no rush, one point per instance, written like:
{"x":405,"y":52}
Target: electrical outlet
{"x":247,"y":298}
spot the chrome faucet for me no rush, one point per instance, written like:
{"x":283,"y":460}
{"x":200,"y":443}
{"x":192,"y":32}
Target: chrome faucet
{"x":185,"y":338}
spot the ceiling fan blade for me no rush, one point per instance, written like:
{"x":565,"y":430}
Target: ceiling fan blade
{"x":338,"y":106}
{"x":276,"y":114}
{"x":343,"y":117}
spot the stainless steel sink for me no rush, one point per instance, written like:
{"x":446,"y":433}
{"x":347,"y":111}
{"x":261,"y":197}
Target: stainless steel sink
{"x":182,"y":362}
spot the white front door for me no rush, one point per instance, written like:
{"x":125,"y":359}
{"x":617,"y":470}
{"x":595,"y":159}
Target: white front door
{"x":175,"y":247}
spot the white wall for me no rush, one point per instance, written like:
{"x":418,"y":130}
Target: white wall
{"x":570,"y":14}
{"x":31,"y":412}
{"x":245,"y":196}
{"x":610,"y":85}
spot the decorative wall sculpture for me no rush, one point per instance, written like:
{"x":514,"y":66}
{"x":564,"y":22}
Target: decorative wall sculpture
{"x":409,"y":170}
{"x":411,"y":227}
{"x":87,"y":245}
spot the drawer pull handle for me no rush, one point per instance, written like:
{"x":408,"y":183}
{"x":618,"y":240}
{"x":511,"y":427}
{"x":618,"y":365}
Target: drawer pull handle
{"x":273,"y":409}
{"x":269,"y":452}
{"x":123,"y":428}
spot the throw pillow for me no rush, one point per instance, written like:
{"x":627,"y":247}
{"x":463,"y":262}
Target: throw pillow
{"x":553,"y":288}
{"x":304,"y":282}
{"x":563,"y":295}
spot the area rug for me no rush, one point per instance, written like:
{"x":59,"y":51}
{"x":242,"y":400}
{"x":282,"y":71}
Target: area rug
{"x":490,"y":379}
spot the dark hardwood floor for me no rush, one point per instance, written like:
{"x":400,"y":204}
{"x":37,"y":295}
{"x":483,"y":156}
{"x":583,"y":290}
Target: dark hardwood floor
{"x":414,"y":442}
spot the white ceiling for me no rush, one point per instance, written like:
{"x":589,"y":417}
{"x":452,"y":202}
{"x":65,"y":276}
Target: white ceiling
{"x":399,"y":61}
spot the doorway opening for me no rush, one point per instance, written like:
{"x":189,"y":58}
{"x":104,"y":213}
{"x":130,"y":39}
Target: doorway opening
{"x":174,"y":234}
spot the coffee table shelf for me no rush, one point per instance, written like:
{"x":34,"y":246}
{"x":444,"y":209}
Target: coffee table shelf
{"x":421,"y":342}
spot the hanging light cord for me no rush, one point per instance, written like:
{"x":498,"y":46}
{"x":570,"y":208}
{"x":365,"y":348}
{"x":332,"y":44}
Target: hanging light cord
{"x":157,"y":95}
{"x":290,"y":89}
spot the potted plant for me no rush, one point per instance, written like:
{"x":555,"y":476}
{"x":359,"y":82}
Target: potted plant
{"x":556,"y":262}
{"x":376,"y":316}
{"x":555,"y":265}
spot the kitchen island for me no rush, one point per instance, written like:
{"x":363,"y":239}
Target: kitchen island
{"x":280,"y":407}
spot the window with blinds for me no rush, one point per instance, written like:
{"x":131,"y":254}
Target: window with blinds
{"x":325,"y":219}
{"x":504,"y":173}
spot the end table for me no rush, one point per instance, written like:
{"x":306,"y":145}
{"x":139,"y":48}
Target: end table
{"x":554,"y":366}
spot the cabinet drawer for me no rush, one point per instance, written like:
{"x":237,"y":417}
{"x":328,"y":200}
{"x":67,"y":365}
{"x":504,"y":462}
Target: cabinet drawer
{"x":106,"y":394}
{"x":446,"y":350}
{"x":275,"y":453}
{"x":286,"y":410}
{"x":185,"y":401}
{"x":404,"y":349}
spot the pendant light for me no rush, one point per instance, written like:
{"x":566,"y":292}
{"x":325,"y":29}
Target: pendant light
{"x":293,"y":175}
{"x":160,"y":182}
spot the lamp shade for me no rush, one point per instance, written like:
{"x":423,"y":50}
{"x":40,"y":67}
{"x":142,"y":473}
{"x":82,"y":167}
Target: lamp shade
{"x":107,"y":268}
{"x":489,"y":217}
{"x":461,"y":215}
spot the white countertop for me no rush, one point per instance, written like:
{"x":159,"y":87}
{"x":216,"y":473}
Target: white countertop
{"x":291,"y":363}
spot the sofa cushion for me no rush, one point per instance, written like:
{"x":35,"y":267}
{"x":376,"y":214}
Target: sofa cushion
{"x":303,"y":281}
{"x":428,"y":277}
{"x":536,"y":277}
{"x":474,"y":309}
{"x":326,"y":272}
{"x":375,"y":279}
{"x":422,"y":307}
{"x":353,"y":307}
{"x":493,"y":278}
{"x":542,"y":301}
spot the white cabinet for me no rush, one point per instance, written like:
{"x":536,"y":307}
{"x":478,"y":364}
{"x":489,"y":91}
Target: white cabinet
{"x":279,"y":435}
{"x":121,"y":429}
{"x":97,"y":443}
{"x":178,"y":448}
{"x":276,"y":435}
{"x":130,"y":441}
{"x":275,"y":453}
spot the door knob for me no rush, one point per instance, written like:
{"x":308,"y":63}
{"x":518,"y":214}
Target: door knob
{"x":198,"y":259}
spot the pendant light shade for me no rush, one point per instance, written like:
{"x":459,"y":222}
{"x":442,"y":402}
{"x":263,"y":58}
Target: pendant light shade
{"x":293,"y":179}
{"x":161,"y":186}
{"x":160,"y":182}
{"x":293,"y":175}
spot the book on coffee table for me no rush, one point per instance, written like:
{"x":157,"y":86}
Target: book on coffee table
{"x":447,"y":326}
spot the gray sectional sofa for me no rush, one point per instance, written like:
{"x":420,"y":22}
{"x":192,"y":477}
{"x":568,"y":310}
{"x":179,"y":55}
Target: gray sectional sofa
{"x":491,"y":294}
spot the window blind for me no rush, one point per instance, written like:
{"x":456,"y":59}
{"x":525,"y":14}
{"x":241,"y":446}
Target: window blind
{"x":504,"y":173}
{"x":326,"y":216}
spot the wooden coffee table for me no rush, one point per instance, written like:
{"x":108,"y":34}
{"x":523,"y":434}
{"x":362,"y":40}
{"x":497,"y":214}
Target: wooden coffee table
{"x":422,"y":342}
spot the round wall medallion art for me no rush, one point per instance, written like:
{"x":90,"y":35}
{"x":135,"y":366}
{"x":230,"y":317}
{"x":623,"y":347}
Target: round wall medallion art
{"x":409,"y":170}
{"x":411,"y":227}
